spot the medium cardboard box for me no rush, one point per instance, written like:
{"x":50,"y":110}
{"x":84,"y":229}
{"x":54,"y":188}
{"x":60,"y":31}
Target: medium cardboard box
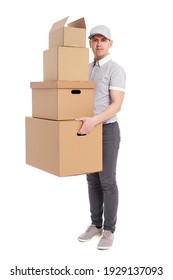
{"x":55,"y":147}
{"x":61,"y":100}
{"x":66,"y":64}
{"x":72,"y":35}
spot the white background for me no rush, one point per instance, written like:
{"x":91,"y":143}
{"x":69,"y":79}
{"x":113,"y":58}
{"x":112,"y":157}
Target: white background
{"x":41,"y":214}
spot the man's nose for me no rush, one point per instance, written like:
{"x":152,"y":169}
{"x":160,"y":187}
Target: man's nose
{"x":98,"y":43}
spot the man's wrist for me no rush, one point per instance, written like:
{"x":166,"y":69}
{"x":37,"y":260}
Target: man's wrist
{"x":96,"y":120}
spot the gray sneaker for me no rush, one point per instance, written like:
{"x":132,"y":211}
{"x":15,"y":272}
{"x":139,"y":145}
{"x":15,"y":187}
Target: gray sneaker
{"x":106,"y":240}
{"x":90,"y":233}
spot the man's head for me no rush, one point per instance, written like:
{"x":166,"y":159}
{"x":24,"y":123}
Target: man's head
{"x":100,"y":41}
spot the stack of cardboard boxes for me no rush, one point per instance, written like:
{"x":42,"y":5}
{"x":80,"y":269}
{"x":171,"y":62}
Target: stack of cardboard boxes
{"x":52,"y":140}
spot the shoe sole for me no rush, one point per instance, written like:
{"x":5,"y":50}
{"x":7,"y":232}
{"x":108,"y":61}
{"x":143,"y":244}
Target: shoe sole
{"x":103,"y":248}
{"x":85,"y":240}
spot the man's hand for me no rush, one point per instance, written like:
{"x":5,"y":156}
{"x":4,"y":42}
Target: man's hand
{"x":88,"y":124}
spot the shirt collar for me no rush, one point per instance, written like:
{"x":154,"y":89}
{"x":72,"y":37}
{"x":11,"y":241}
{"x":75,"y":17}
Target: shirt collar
{"x":102,"y":61}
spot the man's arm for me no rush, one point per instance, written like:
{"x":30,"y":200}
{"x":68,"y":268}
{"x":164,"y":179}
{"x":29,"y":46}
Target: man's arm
{"x":90,"y":122}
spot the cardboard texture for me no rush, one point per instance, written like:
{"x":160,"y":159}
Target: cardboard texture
{"x":66,"y":64}
{"x":55,"y":147}
{"x":74,"y":35}
{"x":62,"y":101}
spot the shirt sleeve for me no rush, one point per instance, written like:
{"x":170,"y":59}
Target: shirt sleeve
{"x":118,"y":78}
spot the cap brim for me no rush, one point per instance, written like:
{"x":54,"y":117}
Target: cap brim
{"x":97,"y":34}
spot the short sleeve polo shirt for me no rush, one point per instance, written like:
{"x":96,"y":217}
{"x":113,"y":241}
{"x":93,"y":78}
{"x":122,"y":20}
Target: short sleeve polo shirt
{"x":107,"y":75}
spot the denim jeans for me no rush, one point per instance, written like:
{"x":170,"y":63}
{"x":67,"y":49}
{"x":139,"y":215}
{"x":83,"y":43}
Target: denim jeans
{"x":102,"y":186}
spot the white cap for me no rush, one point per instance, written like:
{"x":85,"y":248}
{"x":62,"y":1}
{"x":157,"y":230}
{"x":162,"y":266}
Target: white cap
{"x":102,"y":30}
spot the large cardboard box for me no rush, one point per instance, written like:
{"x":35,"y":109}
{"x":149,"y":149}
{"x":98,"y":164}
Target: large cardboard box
{"x":55,"y":147}
{"x":66,"y":64}
{"x":72,"y":35}
{"x":61,"y":100}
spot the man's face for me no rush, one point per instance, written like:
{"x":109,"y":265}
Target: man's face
{"x":100,"y":46}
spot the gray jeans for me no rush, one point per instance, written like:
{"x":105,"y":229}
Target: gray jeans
{"x":102,"y":186}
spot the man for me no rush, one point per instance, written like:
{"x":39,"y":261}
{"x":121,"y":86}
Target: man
{"x":108,"y":98}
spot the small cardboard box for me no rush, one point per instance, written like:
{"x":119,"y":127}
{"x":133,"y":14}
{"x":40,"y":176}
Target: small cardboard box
{"x":74,"y":35}
{"x":55,"y":147}
{"x":61,"y":100}
{"x":66,"y":64}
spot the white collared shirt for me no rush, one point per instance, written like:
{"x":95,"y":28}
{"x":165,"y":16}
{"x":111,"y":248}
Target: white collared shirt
{"x":107,"y":75}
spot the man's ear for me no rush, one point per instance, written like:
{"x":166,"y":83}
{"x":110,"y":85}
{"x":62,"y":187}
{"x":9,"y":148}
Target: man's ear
{"x":111,"y":43}
{"x":90,"y":43}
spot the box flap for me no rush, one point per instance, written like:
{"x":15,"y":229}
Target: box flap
{"x":59,"y":24}
{"x":63,"y":84}
{"x":79,"y":23}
